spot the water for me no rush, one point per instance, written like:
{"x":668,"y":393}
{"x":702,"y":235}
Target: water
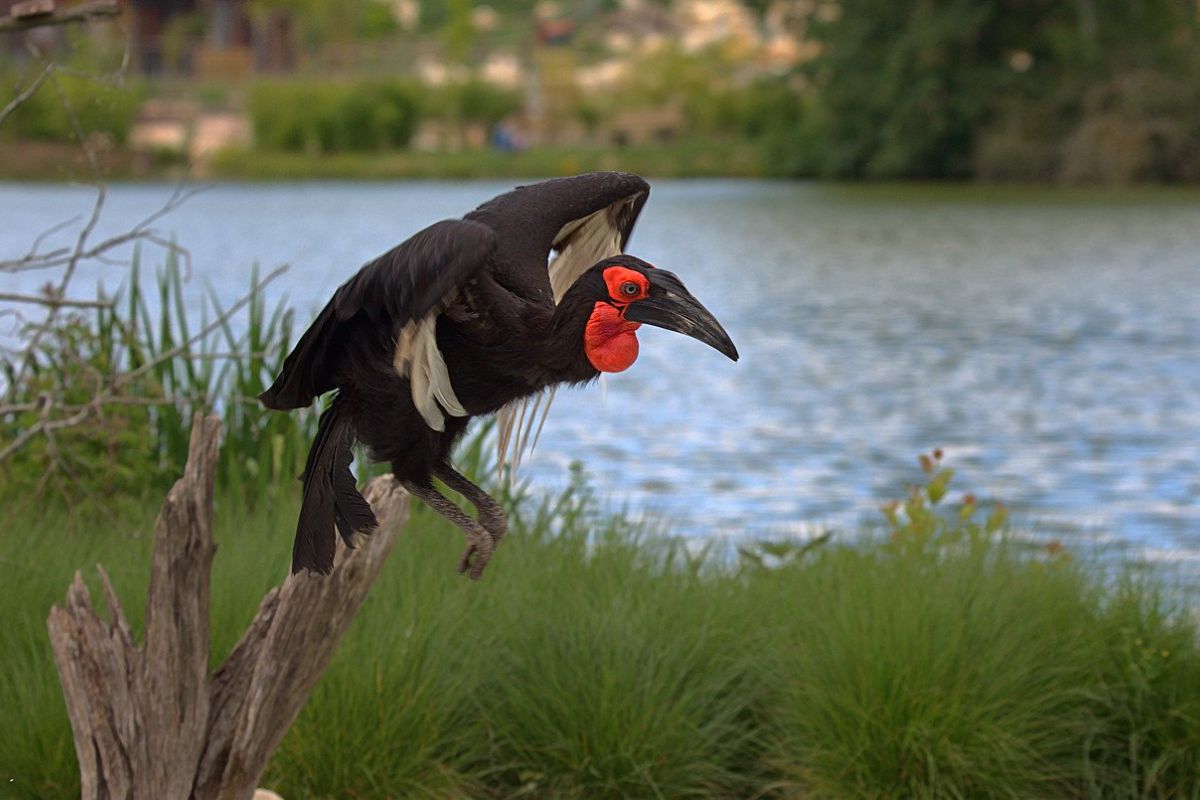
{"x":1050,"y":345}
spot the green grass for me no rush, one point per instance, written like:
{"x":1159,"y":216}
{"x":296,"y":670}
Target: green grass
{"x":691,"y":158}
{"x":598,"y":660}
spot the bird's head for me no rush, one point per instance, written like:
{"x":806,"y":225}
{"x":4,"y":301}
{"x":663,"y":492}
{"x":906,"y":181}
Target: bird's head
{"x":625,"y":292}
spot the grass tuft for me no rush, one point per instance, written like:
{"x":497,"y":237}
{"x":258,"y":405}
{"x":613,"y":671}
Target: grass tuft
{"x":939,"y":660}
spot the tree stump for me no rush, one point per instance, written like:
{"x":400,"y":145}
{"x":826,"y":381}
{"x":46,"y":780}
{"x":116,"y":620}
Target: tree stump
{"x":149,"y":721}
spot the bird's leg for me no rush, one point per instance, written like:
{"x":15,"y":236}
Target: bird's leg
{"x":479,"y":539}
{"x":491,"y":515}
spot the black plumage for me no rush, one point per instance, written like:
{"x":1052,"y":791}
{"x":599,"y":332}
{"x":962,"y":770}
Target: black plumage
{"x":459,"y":321}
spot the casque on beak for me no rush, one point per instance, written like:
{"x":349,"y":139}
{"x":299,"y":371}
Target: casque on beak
{"x":670,"y":305}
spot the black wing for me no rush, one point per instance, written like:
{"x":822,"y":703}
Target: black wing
{"x":530,"y":221}
{"x":403,"y":284}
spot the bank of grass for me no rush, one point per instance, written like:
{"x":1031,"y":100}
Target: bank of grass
{"x":600,"y":660}
{"x":28,"y":160}
{"x":697,"y":158}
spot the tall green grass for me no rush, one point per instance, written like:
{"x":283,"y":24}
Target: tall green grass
{"x":189,"y":353}
{"x":597,"y":660}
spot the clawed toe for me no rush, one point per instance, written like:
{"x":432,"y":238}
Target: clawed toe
{"x":477,"y":555}
{"x":483,"y":534}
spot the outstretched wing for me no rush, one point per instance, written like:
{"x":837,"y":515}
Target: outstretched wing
{"x":400,"y":287}
{"x":579,"y":220}
{"x":576,"y":222}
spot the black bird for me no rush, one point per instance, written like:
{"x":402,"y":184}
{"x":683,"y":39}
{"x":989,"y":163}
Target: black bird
{"x":467,"y":318}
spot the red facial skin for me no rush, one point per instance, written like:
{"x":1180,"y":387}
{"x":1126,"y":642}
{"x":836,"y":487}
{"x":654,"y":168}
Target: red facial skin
{"x":609,"y":339}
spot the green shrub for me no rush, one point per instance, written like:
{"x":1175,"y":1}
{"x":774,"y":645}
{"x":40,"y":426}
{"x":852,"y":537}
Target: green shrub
{"x":333,"y":116}
{"x":749,"y":112}
{"x":639,"y":680}
{"x":470,"y":101}
{"x":100,"y":107}
{"x":910,"y":674}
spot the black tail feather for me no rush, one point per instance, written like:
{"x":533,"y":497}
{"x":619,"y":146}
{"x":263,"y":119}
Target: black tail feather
{"x":306,"y":373}
{"x":331,"y":499}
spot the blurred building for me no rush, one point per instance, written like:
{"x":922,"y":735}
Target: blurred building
{"x":210,"y":38}
{"x":705,"y":23}
{"x":639,"y":27}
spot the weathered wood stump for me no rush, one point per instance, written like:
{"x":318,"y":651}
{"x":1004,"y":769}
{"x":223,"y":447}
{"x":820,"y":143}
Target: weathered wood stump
{"x":150,"y":722}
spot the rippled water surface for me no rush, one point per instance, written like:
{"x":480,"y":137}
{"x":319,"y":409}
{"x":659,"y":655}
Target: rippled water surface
{"x":1050,"y":345}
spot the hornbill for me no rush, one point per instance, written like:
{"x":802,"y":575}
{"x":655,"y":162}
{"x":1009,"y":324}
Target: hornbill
{"x":468,"y":318}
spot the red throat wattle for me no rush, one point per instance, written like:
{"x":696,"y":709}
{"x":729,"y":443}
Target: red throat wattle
{"x":609,"y":339}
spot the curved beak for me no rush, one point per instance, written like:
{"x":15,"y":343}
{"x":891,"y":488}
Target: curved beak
{"x":670,"y":305}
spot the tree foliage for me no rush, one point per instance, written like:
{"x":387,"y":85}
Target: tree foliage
{"x":1006,"y":88}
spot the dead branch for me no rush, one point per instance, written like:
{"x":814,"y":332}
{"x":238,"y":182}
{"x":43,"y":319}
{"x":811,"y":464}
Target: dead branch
{"x":85,"y":251}
{"x":46,"y":426}
{"x":80,"y":13}
{"x":81,"y":240}
{"x":48,"y":300}
{"x":149,"y":720}
{"x":28,"y":92}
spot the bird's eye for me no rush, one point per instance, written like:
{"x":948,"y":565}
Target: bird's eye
{"x":629,"y":288}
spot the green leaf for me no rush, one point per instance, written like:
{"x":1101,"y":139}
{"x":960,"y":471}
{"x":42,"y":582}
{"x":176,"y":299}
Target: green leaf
{"x":937,"y":487}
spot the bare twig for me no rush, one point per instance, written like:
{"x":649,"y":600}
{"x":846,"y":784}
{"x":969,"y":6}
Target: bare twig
{"x":47,"y":425}
{"x":79,"y":13}
{"x":17,"y":408}
{"x":28,"y":92}
{"x":47,"y":300}
{"x":53,"y":229}
{"x":82,"y":252}
{"x":84,"y":233}
{"x":64,"y":256}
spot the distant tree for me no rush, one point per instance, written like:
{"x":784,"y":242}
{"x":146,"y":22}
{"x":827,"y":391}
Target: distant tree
{"x":910,"y":88}
{"x":376,"y":20}
{"x":321,"y":23}
{"x":901,"y":87}
{"x":458,"y":34}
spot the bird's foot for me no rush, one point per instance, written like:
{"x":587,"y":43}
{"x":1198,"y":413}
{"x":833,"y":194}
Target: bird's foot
{"x":495,"y":522}
{"x":491,"y":516}
{"x":480,"y":545}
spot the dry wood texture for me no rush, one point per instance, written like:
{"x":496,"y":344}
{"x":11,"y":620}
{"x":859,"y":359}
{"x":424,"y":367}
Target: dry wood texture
{"x":23,"y":17}
{"x":149,"y":721}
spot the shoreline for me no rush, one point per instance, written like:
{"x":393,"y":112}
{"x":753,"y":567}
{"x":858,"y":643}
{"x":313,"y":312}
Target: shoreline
{"x":50,"y":163}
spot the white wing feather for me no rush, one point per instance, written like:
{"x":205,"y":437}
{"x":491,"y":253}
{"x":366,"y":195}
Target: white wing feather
{"x":580,"y":244}
{"x":418,"y":357}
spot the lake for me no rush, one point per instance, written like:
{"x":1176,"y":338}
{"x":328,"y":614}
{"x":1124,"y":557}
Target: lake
{"x":1049,"y":343}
